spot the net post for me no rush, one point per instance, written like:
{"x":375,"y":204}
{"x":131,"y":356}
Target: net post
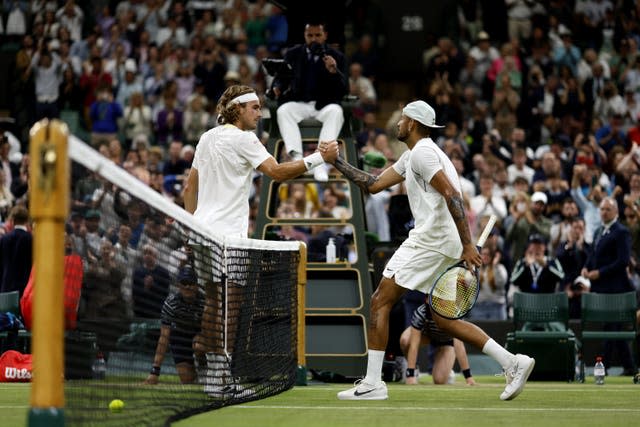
{"x":301,"y":373}
{"x":48,"y":205}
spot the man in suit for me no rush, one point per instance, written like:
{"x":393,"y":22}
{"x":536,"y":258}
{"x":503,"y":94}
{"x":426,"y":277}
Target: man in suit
{"x":606,"y":268}
{"x":317,"y":84}
{"x":15,"y":253}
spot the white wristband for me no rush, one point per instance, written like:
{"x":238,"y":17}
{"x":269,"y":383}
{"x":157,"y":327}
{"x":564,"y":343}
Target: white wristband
{"x":313,"y":160}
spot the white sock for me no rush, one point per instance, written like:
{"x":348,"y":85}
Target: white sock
{"x":498,"y":353}
{"x":374,"y":366}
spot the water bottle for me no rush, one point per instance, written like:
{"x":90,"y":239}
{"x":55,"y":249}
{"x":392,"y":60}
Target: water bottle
{"x":598,"y":371}
{"x":331,"y":251}
{"x":99,"y":367}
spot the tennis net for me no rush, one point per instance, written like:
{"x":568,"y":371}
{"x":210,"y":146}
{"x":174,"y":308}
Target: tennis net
{"x":215,"y":317}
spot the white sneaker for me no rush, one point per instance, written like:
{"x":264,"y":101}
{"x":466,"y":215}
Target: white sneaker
{"x":320,"y":173}
{"x":517,"y":376}
{"x":365,"y":391}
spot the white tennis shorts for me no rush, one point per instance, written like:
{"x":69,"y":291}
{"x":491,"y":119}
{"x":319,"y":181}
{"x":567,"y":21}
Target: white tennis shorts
{"x":416,"y":268}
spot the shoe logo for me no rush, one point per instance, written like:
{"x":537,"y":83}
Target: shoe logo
{"x":358,"y":394}
{"x":309,"y":164}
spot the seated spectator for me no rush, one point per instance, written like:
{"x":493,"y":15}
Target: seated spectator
{"x":314,"y":90}
{"x":536,"y":272}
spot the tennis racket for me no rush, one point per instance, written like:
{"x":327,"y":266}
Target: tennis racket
{"x":456,"y":290}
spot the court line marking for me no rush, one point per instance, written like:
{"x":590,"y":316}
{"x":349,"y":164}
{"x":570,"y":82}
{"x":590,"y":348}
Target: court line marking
{"x":433,"y":408}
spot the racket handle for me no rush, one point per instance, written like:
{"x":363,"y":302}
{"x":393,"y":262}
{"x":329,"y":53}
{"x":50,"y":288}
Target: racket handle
{"x":485,"y":233}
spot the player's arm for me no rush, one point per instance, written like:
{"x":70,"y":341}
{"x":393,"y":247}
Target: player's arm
{"x":190,"y":192}
{"x":288,"y":170}
{"x":411,"y":353}
{"x":161,"y":349}
{"x":367,"y":182}
{"x":463,"y":361}
{"x":455,"y":205}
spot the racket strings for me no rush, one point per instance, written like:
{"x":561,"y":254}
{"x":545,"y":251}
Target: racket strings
{"x":457,"y":292}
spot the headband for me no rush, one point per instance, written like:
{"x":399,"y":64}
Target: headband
{"x":244,"y":98}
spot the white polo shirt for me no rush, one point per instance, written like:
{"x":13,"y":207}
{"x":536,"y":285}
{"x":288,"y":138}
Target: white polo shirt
{"x":225,"y":158}
{"x":434,"y":227}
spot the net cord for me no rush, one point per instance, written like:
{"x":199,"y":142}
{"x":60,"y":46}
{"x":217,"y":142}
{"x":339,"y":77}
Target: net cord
{"x":82,"y":153}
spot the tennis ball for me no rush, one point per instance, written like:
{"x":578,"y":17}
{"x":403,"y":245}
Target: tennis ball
{"x":116,"y":405}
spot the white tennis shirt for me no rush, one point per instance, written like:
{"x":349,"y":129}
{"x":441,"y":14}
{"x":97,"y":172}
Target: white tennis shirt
{"x":225,"y":158}
{"x":434,"y":227}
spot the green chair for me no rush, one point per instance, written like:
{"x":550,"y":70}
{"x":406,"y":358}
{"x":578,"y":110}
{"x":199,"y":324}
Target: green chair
{"x":601,"y":309}
{"x":541,"y":330}
{"x":10,"y":303}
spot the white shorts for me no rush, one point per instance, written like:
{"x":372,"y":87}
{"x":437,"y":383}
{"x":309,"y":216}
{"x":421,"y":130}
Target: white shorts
{"x":416,"y":268}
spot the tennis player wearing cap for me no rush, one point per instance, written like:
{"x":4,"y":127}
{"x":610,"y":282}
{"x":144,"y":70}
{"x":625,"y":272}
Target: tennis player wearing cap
{"x":217,"y":193}
{"x":440,"y":238}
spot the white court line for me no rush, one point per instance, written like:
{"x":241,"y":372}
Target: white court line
{"x":433,"y":408}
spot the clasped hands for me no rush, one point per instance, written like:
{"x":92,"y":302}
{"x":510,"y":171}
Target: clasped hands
{"x":329,"y":150}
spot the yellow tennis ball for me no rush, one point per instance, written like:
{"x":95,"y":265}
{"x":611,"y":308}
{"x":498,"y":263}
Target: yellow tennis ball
{"x":116,"y":405}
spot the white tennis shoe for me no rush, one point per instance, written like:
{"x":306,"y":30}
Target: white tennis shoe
{"x":365,"y":391}
{"x":517,"y":376}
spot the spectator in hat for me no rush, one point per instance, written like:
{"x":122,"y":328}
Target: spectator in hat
{"x":527,"y":219}
{"x":180,"y":323}
{"x":536,"y":272}
{"x":130,"y":84}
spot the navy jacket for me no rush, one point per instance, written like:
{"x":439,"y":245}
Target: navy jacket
{"x":610,"y":255}
{"x":15,"y":260}
{"x":310,"y":80}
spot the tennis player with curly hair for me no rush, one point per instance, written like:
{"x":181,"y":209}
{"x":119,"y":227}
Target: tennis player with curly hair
{"x":217,"y":193}
{"x":440,"y":239}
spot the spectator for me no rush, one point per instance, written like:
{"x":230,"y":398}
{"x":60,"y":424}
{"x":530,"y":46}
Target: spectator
{"x":491,"y":303}
{"x":572,"y":253}
{"x":588,"y":199}
{"x":47,"y":70}
{"x":606,"y":268}
{"x":103,"y":278}
{"x":137,"y":119}
{"x":104,"y":114}
{"x":315,"y":89}
{"x":130,"y":84}
{"x":16,"y":252}
{"x":169,"y":124}
{"x":487,"y":202}
{"x":560,"y":230}
{"x":527,"y":219}
{"x":361,"y":87}
{"x":150,"y":285}
{"x":536,"y":272}
{"x":196,"y":120}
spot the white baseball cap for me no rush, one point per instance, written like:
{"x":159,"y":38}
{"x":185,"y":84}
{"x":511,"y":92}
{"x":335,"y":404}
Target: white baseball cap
{"x":539,"y":196}
{"x":421,"y":112}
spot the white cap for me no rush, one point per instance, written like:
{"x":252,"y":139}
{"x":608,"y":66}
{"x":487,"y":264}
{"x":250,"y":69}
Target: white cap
{"x":421,"y":112}
{"x":539,"y":196}
{"x":130,"y":65}
{"x":581,"y":280}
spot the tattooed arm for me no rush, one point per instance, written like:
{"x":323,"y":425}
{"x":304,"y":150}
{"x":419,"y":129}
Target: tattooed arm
{"x":456,"y":208}
{"x":367,"y":182}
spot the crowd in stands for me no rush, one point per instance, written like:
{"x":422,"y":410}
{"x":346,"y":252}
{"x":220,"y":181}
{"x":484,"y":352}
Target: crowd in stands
{"x":542,"y":125}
